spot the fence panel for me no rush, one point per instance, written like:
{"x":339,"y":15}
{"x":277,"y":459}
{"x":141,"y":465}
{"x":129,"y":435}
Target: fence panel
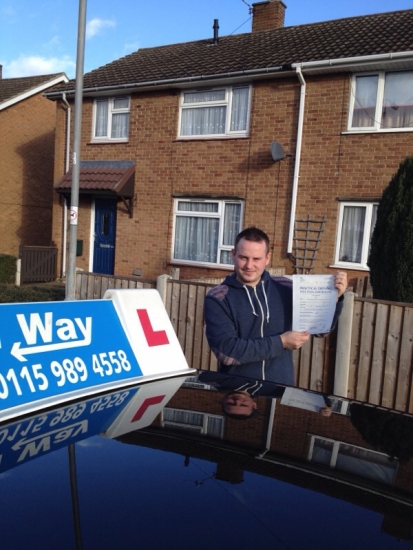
{"x":365,"y":352}
{"x":185,"y":307}
{"x":392,"y":356}
{"x":405,"y":362}
{"x":381,"y":354}
{"x":302,"y":361}
{"x":92,"y":286}
{"x":354,"y":351}
{"x":317,"y":363}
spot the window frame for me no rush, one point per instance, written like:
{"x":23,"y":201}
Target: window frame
{"x":369,"y":205}
{"x":376,"y":126}
{"x":203,"y":428}
{"x":227,"y":102}
{"x":336,"y":444}
{"x":110,"y":112}
{"x":220,"y":213}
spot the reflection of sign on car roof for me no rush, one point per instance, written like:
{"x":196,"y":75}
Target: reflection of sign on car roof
{"x":57,"y":350}
{"x":27,"y":439}
{"x":110,"y":414}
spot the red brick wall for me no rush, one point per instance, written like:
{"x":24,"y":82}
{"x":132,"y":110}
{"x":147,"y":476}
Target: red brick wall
{"x":268,"y":15}
{"x":333,"y":164}
{"x":26,"y":168}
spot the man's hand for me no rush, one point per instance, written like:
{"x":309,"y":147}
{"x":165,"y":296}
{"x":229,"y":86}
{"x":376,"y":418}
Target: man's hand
{"x":340,"y":282}
{"x":293,"y":339}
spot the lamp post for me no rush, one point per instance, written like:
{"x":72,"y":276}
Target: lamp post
{"x":77,"y":132}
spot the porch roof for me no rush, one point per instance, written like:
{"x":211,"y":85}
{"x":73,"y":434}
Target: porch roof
{"x":102,"y":177}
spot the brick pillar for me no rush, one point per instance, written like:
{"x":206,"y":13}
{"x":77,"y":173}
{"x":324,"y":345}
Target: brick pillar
{"x":268,"y":15}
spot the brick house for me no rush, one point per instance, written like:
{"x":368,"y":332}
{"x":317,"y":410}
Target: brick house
{"x":183,"y":145}
{"x":27,"y":135}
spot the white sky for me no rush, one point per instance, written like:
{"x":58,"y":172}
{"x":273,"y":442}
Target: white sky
{"x":40,"y":36}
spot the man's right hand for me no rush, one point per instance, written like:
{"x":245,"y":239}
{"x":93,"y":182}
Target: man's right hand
{"x":294,"y":340}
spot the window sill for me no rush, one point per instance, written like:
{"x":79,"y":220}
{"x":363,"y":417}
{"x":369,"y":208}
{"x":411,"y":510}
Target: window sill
{"x":209,"y":138}
{"x":188,"y":263}
{"x":106,"y":141}
{"x":353,"y":267}
{"x":379,"y":131}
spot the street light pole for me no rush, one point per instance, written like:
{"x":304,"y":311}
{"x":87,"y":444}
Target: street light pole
{"x":77,"y":133}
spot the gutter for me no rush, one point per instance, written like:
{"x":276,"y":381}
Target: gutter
{"x":297,"y":160}
{"x":269,"y":429}
{"x":306,"y":65}
{"x":174,"y":81}
{"x":358,"y":60}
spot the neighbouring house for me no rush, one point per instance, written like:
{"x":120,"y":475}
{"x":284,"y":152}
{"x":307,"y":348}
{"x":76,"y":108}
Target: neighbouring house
{"x":27,"y":138}
{"x":296,"y":130}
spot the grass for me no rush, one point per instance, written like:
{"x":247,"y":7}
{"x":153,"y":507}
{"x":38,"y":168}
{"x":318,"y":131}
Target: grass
{"x":42,"y":293}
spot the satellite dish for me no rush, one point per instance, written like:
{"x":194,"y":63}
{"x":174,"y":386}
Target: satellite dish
{"x":277,"y":151}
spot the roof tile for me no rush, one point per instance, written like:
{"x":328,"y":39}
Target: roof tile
{"x":13,"y":87}
{"x":342,"y":38}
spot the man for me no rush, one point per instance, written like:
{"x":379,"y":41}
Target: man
{"x":249,"y":316}
{"x":240,"y":398}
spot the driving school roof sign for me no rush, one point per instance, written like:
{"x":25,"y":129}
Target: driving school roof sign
{"x":54,"y":351}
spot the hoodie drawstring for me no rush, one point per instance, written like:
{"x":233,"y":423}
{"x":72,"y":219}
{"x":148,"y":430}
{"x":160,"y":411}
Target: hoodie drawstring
{"x":265,"y":298}
{"x":266,"y":301}
{"x":250,"y":389}
{"x":250,"y":299}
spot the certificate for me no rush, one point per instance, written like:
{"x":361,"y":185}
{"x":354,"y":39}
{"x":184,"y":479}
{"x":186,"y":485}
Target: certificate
{"x":314,"y":303}
{"x":301,"y":399}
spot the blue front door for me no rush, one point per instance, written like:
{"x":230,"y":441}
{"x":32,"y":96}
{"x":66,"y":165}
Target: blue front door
{"x":105,"y":233}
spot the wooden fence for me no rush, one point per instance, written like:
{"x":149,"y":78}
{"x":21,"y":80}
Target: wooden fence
{"x":381,"y":352}
{"x":185,"y":307}
{"x":37,"y":264}
{"x":378,"y":338}
{"x":92,"y":286}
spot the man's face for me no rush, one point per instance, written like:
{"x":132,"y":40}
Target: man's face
{"x":250,"y":259}
{"x":239,"y":403}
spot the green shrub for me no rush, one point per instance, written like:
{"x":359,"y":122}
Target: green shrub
{"x":7,"y":268}
{"x":391,"y":251}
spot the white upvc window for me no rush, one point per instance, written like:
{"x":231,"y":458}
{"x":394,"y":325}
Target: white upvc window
{"x":111,"y":119}
{"x":195,"y":422}
{"x":205,"y":230}
{"x":355,"y":227}
{"x":350,"y":458}
{"x":215,"y":112}
{"x":381,"y":101}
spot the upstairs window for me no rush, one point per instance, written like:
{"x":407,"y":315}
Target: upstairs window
{"x":215,"y":112}
{"x":111,"y":119}
{"x":205,"y":230}
{"x":355,"y":228}
{"x":195,"y":422}
{"x":382,"y":101}
{"x":355,"y":460}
